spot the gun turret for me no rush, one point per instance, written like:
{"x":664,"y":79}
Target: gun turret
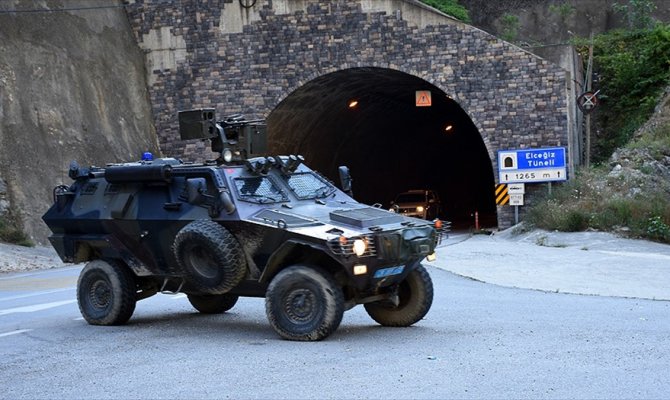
{"x":235,"y":138}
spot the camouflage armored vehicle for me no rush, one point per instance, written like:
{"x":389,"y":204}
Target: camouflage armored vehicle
{"x":241,"y":225}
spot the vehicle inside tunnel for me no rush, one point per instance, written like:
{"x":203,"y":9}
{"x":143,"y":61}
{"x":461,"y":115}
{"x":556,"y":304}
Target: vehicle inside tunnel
{"x":374,"y":121}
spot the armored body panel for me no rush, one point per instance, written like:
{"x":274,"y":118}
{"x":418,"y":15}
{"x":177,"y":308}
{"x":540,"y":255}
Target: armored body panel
{"x":264,"y":227}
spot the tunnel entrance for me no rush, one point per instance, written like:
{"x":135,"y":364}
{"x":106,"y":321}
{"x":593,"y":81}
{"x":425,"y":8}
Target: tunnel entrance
{"x":367,"y":119}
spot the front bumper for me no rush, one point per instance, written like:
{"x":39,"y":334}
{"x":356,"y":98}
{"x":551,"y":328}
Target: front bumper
{"x":411,"y":212}
{"x":389,"y":256}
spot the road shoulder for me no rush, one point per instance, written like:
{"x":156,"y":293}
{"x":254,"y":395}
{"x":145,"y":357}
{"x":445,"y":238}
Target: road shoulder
{"x":589,"y":263}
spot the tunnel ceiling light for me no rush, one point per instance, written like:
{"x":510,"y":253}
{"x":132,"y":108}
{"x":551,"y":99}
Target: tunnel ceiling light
{"x":449,"y":128}
{"x":353,"y":103}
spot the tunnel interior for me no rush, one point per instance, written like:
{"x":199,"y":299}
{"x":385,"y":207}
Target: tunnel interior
{"x":368,"y":120}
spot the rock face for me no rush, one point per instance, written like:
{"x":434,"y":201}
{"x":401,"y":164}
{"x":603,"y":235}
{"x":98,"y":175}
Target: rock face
{"x":72,"y":87}
{"x":646,"y":167}
{"x":553,"y":21}
{"x":4,"y":203}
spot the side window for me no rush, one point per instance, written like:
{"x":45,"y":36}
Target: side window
{"x":258,"y":189}
{"x":308,"y":186}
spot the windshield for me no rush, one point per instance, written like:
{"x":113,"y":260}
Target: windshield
{"x":258,"y":189}
{"x":308,"y":185}
{"x":410,"y":198}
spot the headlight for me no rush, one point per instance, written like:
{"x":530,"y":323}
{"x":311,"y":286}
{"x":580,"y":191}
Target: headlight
{"x":419,"y":209}
{"x":227,"y":155}
{"x":359,"y":247}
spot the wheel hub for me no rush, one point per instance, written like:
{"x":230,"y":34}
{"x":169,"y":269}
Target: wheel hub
{"x":100,"y":294}
{"x":299,"y":305}
{"x":203,"y":262}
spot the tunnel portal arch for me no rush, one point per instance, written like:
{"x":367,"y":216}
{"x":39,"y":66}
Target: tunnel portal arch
{"x":216,"y":54}
{"x":367,"y":118}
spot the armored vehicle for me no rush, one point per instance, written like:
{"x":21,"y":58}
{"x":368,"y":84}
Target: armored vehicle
{"x":240,"y":225}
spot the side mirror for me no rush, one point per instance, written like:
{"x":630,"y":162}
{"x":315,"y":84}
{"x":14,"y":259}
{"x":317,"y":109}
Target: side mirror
{"x":345,"y":180}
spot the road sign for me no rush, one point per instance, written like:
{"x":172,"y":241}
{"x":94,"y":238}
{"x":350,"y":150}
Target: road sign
{"x":587,"y":102}
{"x":532,"y":165}
{"x":423,"y":98}
{"x":516,"y":199}
{"x":502,"y":197}
{"x":516,"y":188}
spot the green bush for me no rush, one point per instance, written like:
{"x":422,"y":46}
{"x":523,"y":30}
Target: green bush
{"x":555,"y":216}
{"x":616,"y":212}
{"x":450,"y":7}
{"x":656,"y":229}
{"x":638,"y":13}
{"x":633,"y":67}
{"x":574,"y":221}
{"x":510,"y":27}
{"x":575,"y":206}
{"x":564,"y":11}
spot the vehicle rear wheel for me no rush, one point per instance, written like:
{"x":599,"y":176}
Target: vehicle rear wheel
{"x":415,"y":295}
{"x":210,"y":256}
{"x":214,"y":303}
{"x":304,"y":303}
{"x":106,"y":293}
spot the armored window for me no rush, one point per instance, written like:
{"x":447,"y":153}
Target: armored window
{"x":90,"y":188}
{"x":258,"y":189}
{"x":307,"y":185}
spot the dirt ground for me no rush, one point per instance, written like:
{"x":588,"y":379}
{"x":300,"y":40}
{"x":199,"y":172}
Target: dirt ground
{"x":18,"y":258}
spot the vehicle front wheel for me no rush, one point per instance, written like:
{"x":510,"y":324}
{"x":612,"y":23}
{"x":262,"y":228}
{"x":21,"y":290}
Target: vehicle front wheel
{"x":415,"y":296}
{"x":213,"y":304}
{"x":304,"y":303}
{"x":106,"y":293}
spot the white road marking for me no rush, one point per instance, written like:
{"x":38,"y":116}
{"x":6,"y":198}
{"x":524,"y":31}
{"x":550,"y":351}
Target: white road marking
{"x":43,"y":272}
{"x":15,"y":332}
{"x":23,"y":296}
{"x":178,"y":296}
{"x":79,"y":319}
{"x":36,"y":307}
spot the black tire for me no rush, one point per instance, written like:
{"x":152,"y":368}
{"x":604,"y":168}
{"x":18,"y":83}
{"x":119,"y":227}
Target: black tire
{"x":106,"y":293}
{"x":210,"y":256}
{"x":415,"y":295}
{"x":304,"y":303}
{"x":213,"y":303}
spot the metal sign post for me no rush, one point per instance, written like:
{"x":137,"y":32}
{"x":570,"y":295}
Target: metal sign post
{"x":516,"y":215}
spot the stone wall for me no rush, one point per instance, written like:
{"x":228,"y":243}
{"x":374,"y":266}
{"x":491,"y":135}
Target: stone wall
{"x":72,"y":86}
{"x":515,"y":98}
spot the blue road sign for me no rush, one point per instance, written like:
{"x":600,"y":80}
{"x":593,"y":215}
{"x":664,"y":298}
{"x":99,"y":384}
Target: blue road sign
{"x":541,"y":158}
{"x":532,"y":165}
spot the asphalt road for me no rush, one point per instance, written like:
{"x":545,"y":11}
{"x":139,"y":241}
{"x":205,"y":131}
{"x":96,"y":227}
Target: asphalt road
{"x":478,"y":341}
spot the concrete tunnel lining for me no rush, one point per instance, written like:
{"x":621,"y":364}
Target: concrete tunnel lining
{"x":389,"y":143}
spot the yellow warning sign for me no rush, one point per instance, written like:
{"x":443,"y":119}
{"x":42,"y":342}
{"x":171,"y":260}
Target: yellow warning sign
{"x":423,"y":98}
{"x":502,"y":196}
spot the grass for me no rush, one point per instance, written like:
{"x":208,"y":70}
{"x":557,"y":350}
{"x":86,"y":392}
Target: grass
{"x":634,"y":202}
{"x":656,"y":142}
